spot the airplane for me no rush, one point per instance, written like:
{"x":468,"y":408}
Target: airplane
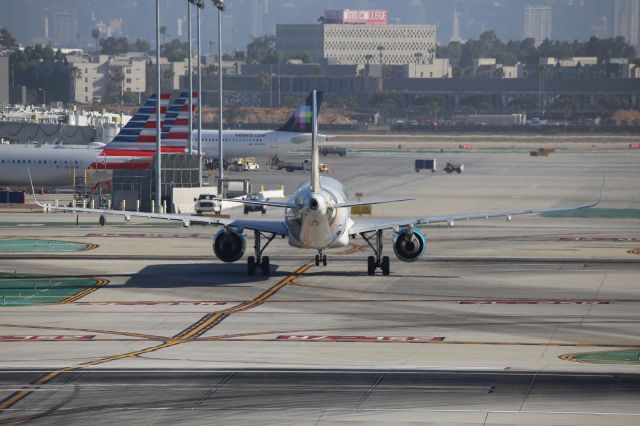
{"x":240,"y":143}
{"x":134,"y":146}
{"x":317,"y":217}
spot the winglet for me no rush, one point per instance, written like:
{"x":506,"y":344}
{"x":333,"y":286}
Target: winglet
{"x":33,"y":190}
{"x":604,"y":178}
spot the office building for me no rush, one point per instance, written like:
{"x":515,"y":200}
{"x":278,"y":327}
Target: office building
{"x":358,"y":37}
{"x":537,"y":23}
{"x":625,"y":20}
{"x":65,"y":29}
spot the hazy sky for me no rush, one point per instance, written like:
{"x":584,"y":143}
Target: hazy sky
{"x":572,"y":19}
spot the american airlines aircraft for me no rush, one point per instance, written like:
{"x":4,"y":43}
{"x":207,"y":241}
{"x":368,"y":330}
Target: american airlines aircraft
{"x":316,"y":217}
{"x":134,"y":146}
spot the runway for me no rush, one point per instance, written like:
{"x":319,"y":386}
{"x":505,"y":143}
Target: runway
{"x":323,"y":397}
{"x":544,"y":309}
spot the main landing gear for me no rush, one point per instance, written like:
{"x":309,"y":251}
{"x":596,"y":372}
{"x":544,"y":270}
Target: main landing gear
{"x":377,"y":261}
{"x":253,"y":262}
{"x":321,"y":258}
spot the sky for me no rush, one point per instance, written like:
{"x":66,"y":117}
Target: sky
{"x":244,"y":19}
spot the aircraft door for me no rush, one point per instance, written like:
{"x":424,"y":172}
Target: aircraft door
{"x":273,"y":140}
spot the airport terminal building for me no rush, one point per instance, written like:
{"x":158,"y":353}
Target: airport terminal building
{"x":347,"y":37}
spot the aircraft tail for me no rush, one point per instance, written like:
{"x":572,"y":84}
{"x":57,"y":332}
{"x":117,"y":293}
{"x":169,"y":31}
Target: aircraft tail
{"x":135,"y":145}
{"x":300,"y":120}
{"x":315,"y":149}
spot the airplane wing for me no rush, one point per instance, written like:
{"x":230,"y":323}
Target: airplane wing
{"x":270,"y":226}
{"x":378,"y":224}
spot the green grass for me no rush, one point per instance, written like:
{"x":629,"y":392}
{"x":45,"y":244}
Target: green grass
{"x":597,"y":213}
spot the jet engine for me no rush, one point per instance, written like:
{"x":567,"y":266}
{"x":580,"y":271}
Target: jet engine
{"x":229,"y":245}
{"x":409,"y":244}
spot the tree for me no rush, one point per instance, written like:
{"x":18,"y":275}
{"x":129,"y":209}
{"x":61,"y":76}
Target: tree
{"x":95,"y":33}
{"x":114,"y":87}
{"x":380,"y":50}
{"x":40,"y":67}
{"x":387,"y":101}
{"x":613,"y":103}
{"x":477,"y":103}
{"x":263,"y":79}
{"x":142,"y":46}
{"x":114,"y":46}
{"x":262,"y":50}
{"x":431,"y":104}
{"x":567,"y":103}
{"x":6,"y":39}
{"x":163,"y":33}
{"x":175,"y":50}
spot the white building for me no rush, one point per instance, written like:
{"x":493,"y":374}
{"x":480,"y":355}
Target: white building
{"x":92,"y":77}
{"x":537,"y":23}
{"x":349,"y":37}
{"x":439,"y":68}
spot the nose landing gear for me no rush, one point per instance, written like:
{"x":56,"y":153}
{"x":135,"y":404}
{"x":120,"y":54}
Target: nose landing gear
{"x":321,"y":258}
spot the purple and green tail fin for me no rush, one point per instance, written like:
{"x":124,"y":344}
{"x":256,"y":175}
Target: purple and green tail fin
{"x":301,"y":120}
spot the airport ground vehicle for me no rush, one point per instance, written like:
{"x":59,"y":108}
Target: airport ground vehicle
{"x":453,"y":167}
{"x":292,"y":166}
{"x":335,"y":150}
{"x":208,"y":204}
{"x":426,"y":164}
{"x":253,"y":207}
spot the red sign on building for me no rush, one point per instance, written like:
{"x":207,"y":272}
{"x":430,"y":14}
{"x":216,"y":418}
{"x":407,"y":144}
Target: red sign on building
{"x":362,"y":17}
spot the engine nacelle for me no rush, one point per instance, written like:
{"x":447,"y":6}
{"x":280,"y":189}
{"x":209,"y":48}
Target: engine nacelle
{"x":229,"y":245}
{"x":409,"y":246}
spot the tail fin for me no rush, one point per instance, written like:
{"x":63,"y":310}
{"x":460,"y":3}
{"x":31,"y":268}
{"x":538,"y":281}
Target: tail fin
{"x":175,"y":131}
{"x":300,"y":121}
{"x":315,"y":150}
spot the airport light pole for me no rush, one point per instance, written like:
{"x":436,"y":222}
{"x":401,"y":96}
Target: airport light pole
{"x":200,"y":6}
{"x":158,"y":105}
{"x":190,"y":74}
{"x":219,"y":4}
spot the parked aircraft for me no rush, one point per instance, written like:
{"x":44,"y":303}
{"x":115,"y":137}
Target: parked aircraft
{"x":317,"y":217}
{"x":134,"y":146}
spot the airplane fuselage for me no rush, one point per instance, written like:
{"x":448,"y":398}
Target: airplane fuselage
{"x":55,"y":165}
{"x":239,"y":143}
{"x":315,"y":223}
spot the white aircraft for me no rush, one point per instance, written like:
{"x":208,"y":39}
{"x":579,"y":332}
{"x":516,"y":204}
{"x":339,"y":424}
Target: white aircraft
{"x":134,"y":146}
{"x":317,"y":217}
{"x":239,"y":143}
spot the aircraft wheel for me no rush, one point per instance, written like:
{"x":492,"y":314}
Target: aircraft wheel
{"x":324,"y":260}
{"x":246,"y":210}
{"x":264,"y":211}
{"x":385,"y":265}
{"x":371,"y":265}
{"x":264,"y":265}
{"x":251,"y":265}
{"x":317,"y":260}
{"x":103,"y":220}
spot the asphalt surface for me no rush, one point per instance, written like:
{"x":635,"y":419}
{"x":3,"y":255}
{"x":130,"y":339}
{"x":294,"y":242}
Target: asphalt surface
{"x":322,"y":397}
{"x":533,"y":321}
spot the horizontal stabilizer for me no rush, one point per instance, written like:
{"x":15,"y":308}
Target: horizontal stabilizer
{"x":366,"y":203}
{"x":265,"y":203}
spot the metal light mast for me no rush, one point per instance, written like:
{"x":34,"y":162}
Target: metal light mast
{"x":220,"y":5}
